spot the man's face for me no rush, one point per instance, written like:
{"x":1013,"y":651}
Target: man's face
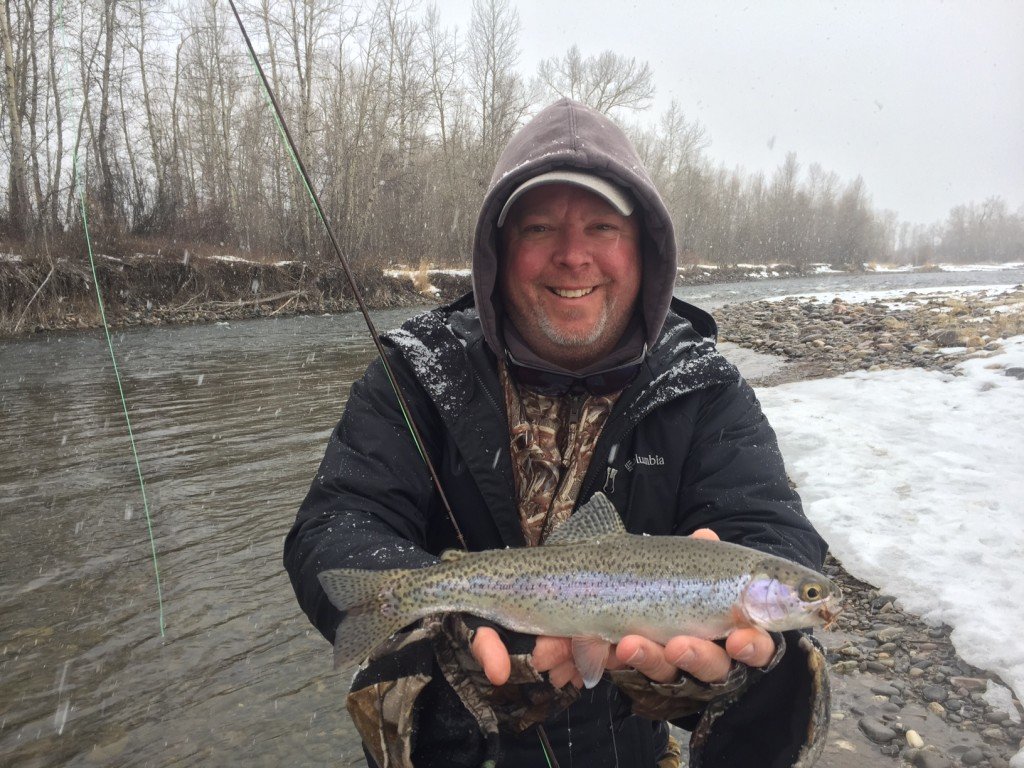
{"x":570,"y":273}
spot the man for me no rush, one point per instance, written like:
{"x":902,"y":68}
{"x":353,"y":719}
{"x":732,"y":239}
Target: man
{"x":570,"y":369}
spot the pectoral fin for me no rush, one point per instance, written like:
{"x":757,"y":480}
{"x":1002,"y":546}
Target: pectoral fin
{"x":590,"y":654}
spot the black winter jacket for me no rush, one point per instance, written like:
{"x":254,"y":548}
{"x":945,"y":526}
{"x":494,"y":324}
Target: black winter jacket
{"x":685,"y":447}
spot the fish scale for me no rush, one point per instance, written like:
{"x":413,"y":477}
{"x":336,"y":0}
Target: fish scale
{"x":591,"y":581}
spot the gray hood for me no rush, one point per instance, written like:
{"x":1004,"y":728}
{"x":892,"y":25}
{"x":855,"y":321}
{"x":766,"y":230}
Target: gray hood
{"x":568,"y":134}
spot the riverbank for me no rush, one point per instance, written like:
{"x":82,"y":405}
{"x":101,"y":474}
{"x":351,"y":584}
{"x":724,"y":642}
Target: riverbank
{"x":175,"y":290}
{"x":824,"y":336}
{"x":902,"y":695}
{"x":184,"y":287}
{"x":178,"y":286}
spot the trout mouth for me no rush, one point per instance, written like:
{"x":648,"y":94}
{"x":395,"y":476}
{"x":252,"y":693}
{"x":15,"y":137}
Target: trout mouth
{"x":828,"y":615}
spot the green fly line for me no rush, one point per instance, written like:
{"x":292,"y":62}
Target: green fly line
{"x":79,"y":184}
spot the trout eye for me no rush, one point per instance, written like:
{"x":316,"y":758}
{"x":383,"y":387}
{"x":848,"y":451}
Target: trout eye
{"x":811,"y":591}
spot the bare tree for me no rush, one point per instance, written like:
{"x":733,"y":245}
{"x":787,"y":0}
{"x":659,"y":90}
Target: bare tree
{"x":400,"y":121}
{"x":443,"y":63}
{"x":51,"y":214}
{"x":975,"y":234}
{"x":854,"y":223}
{"x":18,"y":201}
{"x":605,"y":82}
{"x":455,"y":179}
{"x":107,"y":191}
{"x":498,"y":90}
{"x":162,"y":211}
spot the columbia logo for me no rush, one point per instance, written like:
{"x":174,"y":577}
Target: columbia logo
{"x":650,"y":460}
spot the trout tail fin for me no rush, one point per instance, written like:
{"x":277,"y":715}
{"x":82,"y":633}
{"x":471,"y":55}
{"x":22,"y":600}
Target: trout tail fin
{"x":372,"y":610}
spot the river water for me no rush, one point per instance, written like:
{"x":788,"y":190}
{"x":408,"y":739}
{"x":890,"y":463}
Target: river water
{"x":230,"y":422}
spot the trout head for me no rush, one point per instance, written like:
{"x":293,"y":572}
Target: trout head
{"x":783,"y":596}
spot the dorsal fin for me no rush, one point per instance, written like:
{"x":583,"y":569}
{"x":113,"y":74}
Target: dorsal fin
{"x":453,"y":554}
{"x":596,"y":519}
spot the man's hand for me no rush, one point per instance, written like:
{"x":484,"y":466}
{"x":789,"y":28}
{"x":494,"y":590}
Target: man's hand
{"x":550,"y":654}
{"x":704,"y":660}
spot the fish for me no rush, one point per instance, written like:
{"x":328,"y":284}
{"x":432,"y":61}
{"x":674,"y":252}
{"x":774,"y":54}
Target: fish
{"x":591,"y":581}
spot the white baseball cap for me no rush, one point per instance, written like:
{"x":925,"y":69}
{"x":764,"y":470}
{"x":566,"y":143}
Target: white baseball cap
{"x":618,"y":198}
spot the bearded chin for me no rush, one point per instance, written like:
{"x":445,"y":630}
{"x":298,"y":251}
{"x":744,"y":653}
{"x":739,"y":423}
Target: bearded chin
{"x":574,"y":340}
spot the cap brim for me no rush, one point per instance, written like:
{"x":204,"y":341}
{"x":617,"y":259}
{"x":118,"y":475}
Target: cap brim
{"x":616,"y":197}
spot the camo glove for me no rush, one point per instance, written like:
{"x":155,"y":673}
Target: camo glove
{"x":688,"y":695}
{"x":779,"y":722}
{"x":430,"y":669}
{"x":382,"y":701}
{"x":525,"y":700}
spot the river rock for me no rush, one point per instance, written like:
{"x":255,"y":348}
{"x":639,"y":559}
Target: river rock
{"x":928,"y":759}
{"x":888,"y":634}
{"x":834,"y":339}
{"x":934,"y":693}
{"x":914,"y":740}
{"x":972,"y":756}
{"x":885,"y":689}
{"x":970,"y":683}
{"x":876,"y":730}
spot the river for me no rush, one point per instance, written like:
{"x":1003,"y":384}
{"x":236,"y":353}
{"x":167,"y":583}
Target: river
{"x":230,"y":422}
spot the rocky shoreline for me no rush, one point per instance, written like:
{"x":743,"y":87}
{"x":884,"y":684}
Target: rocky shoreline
{"x":933,"y":330}
{"x":902,"y":696}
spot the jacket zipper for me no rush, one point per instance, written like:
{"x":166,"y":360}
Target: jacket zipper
{"x":609,"y":480}
{"x":490,"y":397}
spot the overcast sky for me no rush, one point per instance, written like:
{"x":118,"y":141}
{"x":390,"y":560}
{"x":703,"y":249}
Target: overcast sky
{"x":925,"y":100}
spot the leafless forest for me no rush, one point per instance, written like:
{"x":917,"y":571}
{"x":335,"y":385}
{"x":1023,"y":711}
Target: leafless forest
{"x":399,"y":116}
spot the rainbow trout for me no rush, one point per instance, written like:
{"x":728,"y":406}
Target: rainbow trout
{"x":590,"y":581}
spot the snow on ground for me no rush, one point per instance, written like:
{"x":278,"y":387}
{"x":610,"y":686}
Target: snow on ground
{"x":825,"y":269}
{"x":980,"y":267}
{"x":890,"y":267}
{"x":231,"y":258}
{"x":914,"y":478}
{"x":761,"y":271}
{"x":410,"y":273}
{"x":945,"y":267}
{"x":901,"y":298}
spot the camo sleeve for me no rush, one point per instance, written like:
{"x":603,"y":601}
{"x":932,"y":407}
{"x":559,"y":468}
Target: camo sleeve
{"x":782,"y":713}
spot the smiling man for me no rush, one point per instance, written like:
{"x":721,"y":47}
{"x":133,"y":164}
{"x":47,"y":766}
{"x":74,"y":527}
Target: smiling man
{"x":569,"y":369}
{"x":570,"y":268}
